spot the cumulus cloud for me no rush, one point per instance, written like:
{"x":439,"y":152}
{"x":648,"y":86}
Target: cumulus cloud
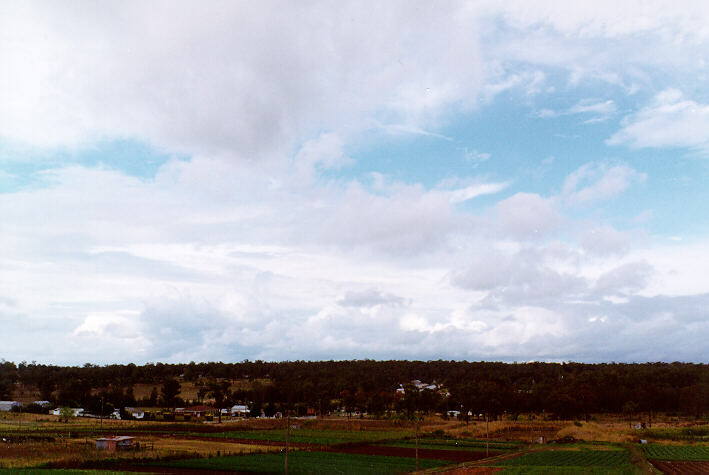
{"x":626,"y":278}
{"x":198,"y":85}
{"x":527,"y":215}
{"x":605,"y":241}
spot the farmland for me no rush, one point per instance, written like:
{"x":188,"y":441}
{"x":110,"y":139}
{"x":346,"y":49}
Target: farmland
{"x":334,"y":443}
{"x":307,"y":436}
{"x":567,"y":460}
{"x":677,"y":452}
{"x":572,"y":458}
{"x":341,"y":445}
{"x":309,"y":462}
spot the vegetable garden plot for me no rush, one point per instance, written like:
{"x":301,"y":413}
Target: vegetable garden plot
{"x":454,"y":444}
{"x":307,"y":462}
{"x":410,"y":452}
{"x":677,"y":452}
{"x":571,"y":458}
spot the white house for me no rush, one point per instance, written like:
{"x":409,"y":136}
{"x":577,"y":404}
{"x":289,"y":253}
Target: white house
{"x":135,"y":412}
{"x":75,"y":411}
{"x":241,"y":410}
{"x":8,"y":405}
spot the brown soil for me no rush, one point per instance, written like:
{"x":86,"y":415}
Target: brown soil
{"x":452,"y":455}
{"x":681,"y":468}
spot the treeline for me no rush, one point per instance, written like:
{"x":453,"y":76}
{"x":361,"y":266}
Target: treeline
{"x":565,"y":390}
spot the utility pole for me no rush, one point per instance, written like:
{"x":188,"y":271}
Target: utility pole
{"x":487,"y":435}
{"x":417,"y":441}
{"x":287,"y":437}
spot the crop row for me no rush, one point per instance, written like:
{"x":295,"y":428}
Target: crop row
{"x":572,"y":458}
{"x":676,"y":452}
{"x":306,"y":462}
{"x":454,"y":444}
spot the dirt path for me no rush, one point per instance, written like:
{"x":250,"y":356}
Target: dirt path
{"x":637,"y":458}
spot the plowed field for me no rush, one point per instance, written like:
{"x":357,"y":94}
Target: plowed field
{"x":683,"y":467}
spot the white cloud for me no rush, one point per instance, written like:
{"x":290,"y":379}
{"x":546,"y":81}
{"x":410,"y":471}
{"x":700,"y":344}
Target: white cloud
{"x":669,"y":121}
{"x":599,"y":111}
{"x":247,"y":77}
{"x":527,"y":215}
{"x":605,"y":241}
{"x":473,"y":191}
{"x":247,"y":250}
{"x":369,"y":298}
{"x":593,"y":182}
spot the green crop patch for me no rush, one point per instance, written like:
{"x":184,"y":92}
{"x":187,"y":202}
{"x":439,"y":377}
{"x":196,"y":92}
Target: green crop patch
{"x":572,"y":458}
{"x":306,"y":462}
{"x":454,"y":444}
{"x":529,"y":470}
{"x":677,"y":452}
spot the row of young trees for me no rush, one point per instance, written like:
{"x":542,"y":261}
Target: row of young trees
{"x":566,"y":390}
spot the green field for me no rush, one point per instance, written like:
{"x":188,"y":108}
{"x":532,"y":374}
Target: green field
{"x":601,"y":459}
{"x":453,"y":444}
{"x":677,"y":452}
{"x":307,"y":436}
{"x":530,"y":470}
{"x":307,"y":462}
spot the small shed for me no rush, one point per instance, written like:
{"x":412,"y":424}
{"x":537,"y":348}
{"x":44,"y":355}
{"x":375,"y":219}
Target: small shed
{"x":111,"y":444}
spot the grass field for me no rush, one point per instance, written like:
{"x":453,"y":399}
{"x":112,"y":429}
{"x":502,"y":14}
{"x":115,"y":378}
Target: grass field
{"x":695,"y":433}
{"x":307,"y":462}
{"x":69,"y":452}
{"x":189,"y":390}
{"x":677,"y":452}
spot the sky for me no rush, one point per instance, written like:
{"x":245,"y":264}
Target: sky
{"x":220,"y":181}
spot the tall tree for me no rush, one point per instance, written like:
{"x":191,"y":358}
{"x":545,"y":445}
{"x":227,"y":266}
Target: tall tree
{"x":170,"y":390}
{"x":219,"y":390}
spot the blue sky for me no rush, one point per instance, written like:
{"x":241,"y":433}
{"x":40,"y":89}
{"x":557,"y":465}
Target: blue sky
{"x":476,"y":180}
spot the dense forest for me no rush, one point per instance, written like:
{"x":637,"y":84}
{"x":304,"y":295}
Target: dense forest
{"x":564,"y":390}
